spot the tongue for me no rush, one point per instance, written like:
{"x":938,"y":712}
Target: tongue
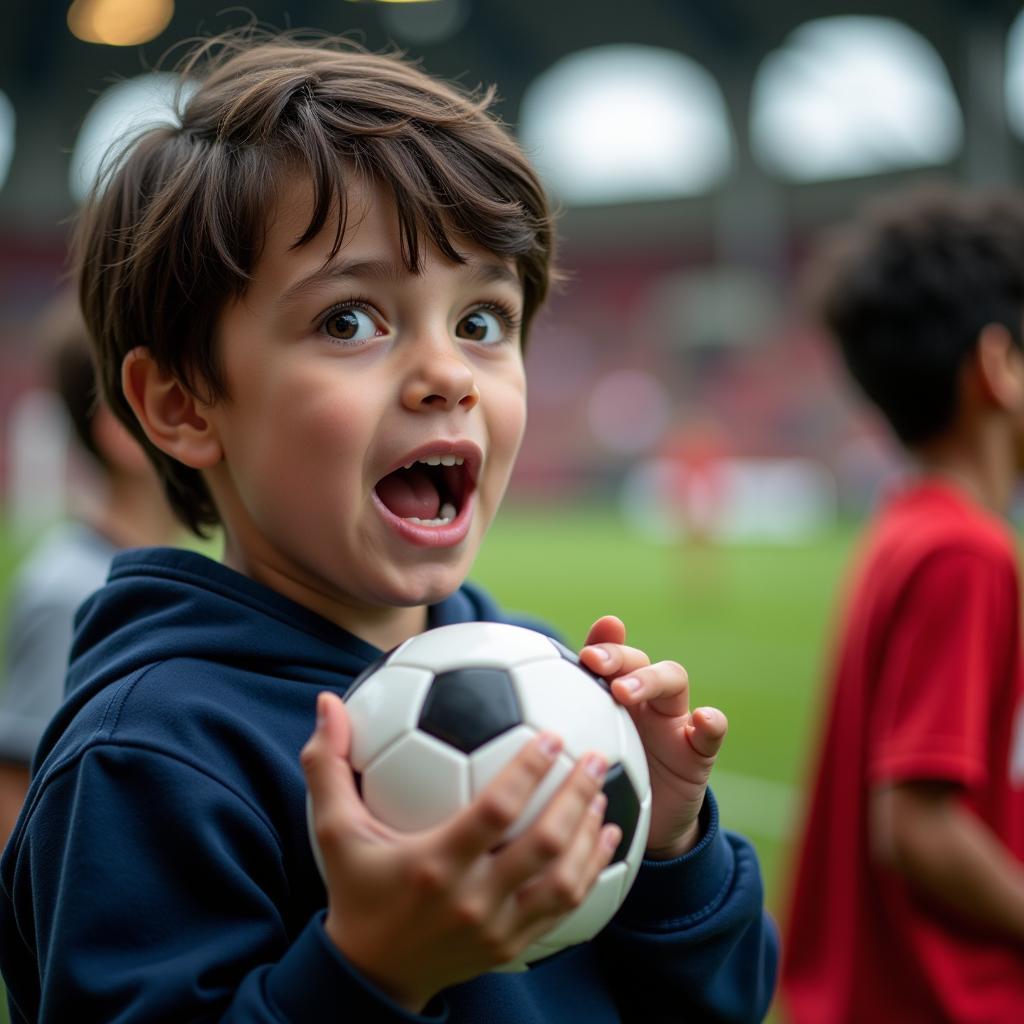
{"x":410,"y":492}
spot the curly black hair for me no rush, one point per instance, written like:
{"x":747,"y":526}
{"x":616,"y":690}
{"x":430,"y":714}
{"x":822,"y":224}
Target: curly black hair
{"x":907,"y":288}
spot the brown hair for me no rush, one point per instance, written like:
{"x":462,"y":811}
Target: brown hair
{"x":176,"y":222}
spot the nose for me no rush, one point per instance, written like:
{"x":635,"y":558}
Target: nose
{"x":440,"y":379}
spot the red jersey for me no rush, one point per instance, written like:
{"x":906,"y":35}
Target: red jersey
{"x":928,"y":685}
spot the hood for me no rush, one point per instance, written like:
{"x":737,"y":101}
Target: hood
{"x":165,"y":603}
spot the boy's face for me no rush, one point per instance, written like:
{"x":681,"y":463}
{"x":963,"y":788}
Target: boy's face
{"x":339,"y":378}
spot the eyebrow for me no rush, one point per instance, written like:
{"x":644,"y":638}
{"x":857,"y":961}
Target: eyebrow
{"x":488,"y":272}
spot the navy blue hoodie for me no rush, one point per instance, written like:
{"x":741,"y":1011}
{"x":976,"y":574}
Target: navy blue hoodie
{"x":161,"y":868}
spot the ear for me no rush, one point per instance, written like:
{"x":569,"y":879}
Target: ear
{"x":172,"y":417}
{"x":999,"y":363}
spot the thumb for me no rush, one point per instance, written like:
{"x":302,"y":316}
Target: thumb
{"x":333,"y":802}
{"x":332,"y":736}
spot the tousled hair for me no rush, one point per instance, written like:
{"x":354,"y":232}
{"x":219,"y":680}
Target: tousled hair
{"x":907,"y":288}
{"x":177,"y":219}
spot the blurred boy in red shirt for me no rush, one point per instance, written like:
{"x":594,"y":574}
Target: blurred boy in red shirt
{"x":908,"y":902}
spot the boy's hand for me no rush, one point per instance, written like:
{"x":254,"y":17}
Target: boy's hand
{"x":681,"y":745}
{"x":419,"y":911}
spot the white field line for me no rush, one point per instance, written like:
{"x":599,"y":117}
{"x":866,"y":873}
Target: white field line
{"x":757,"y":807}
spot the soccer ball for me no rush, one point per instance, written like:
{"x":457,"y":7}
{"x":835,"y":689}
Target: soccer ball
{"x":435,"y":720}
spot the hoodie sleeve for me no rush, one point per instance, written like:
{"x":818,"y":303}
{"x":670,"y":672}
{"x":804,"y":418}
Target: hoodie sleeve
{"x":196,"y":930}
{"x":692,"y":941}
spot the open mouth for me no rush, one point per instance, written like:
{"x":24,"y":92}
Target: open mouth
{"x":429,"y":491}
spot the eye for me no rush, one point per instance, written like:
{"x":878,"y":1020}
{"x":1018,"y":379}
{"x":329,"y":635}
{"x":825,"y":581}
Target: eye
{"x":349,"y":324}
{"x":482,"y":326}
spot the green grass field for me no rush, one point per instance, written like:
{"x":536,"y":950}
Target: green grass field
{"x":750,"y":623}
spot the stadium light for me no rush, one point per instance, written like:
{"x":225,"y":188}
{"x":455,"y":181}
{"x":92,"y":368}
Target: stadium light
{"x":124,"y":110}
{"x":119,"y":22}
{"x":623,"y":123}
{"x":849,"y":96}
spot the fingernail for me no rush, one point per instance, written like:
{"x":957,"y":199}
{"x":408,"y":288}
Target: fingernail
{"x":602,"y":654}
{"x":321,"y":709}
{"x":611,"y":837}
{"x":594,"y":765}
{"x":549,"y":744}
{"x":631,"y":683}
{"x":598,"y":804}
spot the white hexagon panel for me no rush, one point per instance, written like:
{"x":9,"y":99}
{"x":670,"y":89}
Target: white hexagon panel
{"x":380,"y":713}
{"x":476,"y":644}
{"x":417,"y":783}
{"x":560,"y":696}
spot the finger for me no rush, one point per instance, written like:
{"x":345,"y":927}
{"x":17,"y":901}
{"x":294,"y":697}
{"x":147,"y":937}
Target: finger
{"x":482,"y":825}
{"x":609,"y":629}
{"x":610,"y":660}
{"x":706,"y":731}
{"x":593,"y":853}
{"x":329,"y":777}
{"x":568,"y":881}
{"x":554,"y":829}
{"x":665,"y":687}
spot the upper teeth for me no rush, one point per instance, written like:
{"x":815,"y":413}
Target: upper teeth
{"x":437,"y":460}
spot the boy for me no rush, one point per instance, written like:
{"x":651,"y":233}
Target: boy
{"x":909,"y":889}
{"x":303,"y":299}
{"x":72,"y":560}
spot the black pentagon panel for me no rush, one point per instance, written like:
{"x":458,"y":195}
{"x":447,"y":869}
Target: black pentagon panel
{"x":575,"y":659}
{"x":468,"y":707}
{"x":623,"y":808}
{"x":367,"y":672}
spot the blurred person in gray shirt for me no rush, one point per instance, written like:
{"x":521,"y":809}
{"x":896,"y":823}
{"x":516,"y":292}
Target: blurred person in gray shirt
{"x":122,"y":507}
